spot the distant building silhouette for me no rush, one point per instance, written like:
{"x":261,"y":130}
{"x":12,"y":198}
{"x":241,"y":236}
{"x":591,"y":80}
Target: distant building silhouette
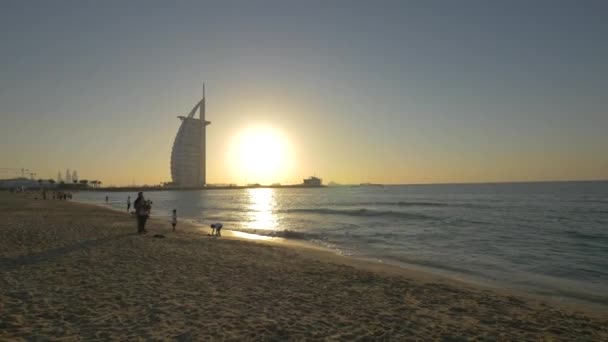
{"x":68,"y":176}
{"x":313,"y":181}
{"x":74,"y":176}
{"x":188,"y":156}
{"x":59,"y":178}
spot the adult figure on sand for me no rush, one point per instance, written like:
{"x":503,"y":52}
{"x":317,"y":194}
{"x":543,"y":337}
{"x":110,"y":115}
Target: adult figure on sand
{"x":128,"y":203}
{"x":174,"y":219}
{"x":141,"y":211}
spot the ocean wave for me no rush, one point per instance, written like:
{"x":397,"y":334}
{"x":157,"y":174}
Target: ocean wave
{"x":402,"y":204}
{"x":286,"y":233}
{"x":411,"y":204}
{"x":359,"y":213}
{"x":584,"y":236}
{"x":596,"y":201}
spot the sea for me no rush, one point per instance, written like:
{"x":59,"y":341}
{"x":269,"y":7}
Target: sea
{"x":548,"y":239}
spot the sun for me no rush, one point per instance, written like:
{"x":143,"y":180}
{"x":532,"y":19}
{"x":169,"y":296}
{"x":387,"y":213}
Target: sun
{"x":260,"y":155}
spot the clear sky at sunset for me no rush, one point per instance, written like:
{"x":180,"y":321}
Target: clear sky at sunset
{"x":362,"y":91}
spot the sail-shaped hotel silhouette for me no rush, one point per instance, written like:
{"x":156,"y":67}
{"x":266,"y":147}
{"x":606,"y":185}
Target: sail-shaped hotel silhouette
{"x":188,"y":156}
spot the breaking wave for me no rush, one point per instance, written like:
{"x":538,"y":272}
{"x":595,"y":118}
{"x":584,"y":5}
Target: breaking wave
{"x":360,"y":213}
{"x":287,"y":233}
{"x":410,"y":204}
{"x":397,"y":204}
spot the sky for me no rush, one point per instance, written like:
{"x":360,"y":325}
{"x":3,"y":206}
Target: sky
{"x":361,"y":91}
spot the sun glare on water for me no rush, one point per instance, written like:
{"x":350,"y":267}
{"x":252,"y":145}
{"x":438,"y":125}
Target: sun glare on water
{"x":260,"y":155}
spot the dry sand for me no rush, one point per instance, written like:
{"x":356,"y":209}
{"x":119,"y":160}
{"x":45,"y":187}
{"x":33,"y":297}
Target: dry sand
{"x":77,"y":272}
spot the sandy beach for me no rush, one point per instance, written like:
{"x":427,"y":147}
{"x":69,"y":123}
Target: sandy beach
{"x":73,"y":272}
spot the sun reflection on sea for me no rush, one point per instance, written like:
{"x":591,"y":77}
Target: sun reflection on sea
{"x":260,"y":209}
{"x":248,"y":236}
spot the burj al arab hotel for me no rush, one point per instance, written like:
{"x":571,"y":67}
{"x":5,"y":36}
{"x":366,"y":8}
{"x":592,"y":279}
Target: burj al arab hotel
{"x":188,"y":156}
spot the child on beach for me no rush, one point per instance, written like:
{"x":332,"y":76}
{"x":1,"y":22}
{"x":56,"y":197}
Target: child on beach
{"x":174,"y":219}
{"x":216,"y":229}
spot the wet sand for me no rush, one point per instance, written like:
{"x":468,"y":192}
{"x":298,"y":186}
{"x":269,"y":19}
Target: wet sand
{"x":73,"y":271}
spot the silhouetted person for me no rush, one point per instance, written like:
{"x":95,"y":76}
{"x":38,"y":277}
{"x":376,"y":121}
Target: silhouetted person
{"x":128,"y":203}
{"x":142,"y":212}
{"x":174,"y":219}
{"x":107,"y":199}
{"x":216,"y":229}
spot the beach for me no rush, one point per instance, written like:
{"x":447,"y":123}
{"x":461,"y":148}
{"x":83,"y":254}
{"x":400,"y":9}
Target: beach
{"x":72,"y":271}
{"x":541,"y":239}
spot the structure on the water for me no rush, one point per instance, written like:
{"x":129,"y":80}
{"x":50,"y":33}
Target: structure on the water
{"x":312,"y":181}
{"x":188,"y":156}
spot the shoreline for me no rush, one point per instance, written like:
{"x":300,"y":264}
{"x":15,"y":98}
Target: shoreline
{"x":374,"y":264}
{"x":57,"y":255}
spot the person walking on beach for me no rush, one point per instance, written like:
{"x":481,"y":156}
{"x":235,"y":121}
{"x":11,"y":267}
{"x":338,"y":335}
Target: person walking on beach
{"x":107,"y":198}
{"x":141,"y":212}
{"x":174,"y":219}
{"x":128,"y":203}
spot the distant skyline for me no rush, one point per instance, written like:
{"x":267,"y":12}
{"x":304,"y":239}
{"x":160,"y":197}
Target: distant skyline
{"x":382,"y":92}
